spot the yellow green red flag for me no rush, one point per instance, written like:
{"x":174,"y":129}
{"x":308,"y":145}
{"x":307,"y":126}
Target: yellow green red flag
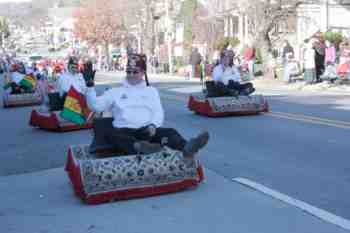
{"x":75,"y":107}
{"x":28,"y":81}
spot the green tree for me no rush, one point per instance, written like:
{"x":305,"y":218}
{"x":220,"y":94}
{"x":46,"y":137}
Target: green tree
{"x":335,"y":37}
{"x":4,"y":30}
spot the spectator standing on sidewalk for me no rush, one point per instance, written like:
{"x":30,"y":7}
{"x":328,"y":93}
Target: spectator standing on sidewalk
{"x":309,"y":63}
{"x":329,"y":62}
{"x":287,"y":50}
{"x":195,"y":60}
{"x":344,"y":60}
{"x":330,"y":53}
{"x":287,"y":56}
{"x":319,"y":47}
{"x":249,"y":59}
{"x":154,"y":63}
{"x":272,"y":64}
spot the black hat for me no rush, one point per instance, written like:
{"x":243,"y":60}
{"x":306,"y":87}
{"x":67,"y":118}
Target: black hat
{"x":137,"y":61}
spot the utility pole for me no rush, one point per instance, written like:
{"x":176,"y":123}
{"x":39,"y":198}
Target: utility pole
{"x":168,"y":35}
{"x":327,"y":15}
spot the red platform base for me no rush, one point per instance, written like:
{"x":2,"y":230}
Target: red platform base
{"x":73,"y":168}
{"x":203,"y":107}
{"x":51,"y":121}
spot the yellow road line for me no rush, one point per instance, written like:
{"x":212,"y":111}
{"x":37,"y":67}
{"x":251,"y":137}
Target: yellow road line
{"x":311,"y":121}
{"x":314,"y":118}
{"x":284,"y":115}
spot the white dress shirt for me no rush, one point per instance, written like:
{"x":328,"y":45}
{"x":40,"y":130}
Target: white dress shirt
{"x":225,"y":74}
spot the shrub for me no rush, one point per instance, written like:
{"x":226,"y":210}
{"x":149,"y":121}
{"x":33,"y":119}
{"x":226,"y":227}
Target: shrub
{"x":224,"y":42}
{"x":335,"y":37}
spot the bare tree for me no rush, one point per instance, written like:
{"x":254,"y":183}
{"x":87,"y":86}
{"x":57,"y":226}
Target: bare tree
{"x":263,"y":17}
{"x":147,"y":25}
{"x":4,"y":30}
{"x":99,"y":22}
{"x":207,"y":27}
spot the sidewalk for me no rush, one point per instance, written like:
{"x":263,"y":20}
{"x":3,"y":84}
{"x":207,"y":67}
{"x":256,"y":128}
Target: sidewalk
{"x":43,"y":202}
{"x":319,"y":88}
{"x":259,"y":83}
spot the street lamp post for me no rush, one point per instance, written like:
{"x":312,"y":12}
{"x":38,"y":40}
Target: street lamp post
{"x":168,"y":36}
{"x":156,"y":37}
{"x":327,"y":15}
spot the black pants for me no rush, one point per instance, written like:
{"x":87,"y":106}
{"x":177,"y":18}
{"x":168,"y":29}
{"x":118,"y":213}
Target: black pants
{"x":244,"y":89}
{"x":56,"y":102}
{"x":319,"y":65}
{"x":124,"y":138}
{"x":15,"y":89}
{"x":18,"y":89}
{"x":220,"y":89}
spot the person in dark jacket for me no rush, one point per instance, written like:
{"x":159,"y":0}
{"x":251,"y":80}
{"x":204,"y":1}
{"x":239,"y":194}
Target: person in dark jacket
{"x":319,"y":48}
{"x":195,"y":60}
{"x":287,"y":51}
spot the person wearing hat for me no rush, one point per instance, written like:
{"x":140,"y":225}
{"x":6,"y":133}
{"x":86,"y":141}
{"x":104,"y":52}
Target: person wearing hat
{"x":71,"y":78}
{"x":227,"y":77}
{"x":138,"y":115}
{"x":17,"y":74}
{"x":66,"y":80}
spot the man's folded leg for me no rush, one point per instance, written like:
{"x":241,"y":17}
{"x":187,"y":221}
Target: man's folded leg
{"x":171,"y":138}
{"x":122,"y":139}
{"x":127,"y":140}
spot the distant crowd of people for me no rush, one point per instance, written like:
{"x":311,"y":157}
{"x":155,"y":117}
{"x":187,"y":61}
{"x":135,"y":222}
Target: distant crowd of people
{"x":319,"y":60}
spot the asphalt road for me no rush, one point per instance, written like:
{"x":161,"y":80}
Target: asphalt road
{"x":303,"y":158}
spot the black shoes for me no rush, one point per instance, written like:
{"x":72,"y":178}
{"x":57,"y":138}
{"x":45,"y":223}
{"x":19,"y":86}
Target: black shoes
{"x":195,"y":144}
{"x":248,"y":91}
{"x":190,"y":149}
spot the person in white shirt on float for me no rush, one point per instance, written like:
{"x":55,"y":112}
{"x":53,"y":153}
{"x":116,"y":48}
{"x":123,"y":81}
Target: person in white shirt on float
{"x":227,"y":77}
{"x":71,"y":78}
{"x":138,"y":115}
{"x":17,"y":74}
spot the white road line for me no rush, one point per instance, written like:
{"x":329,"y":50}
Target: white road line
{"x":317,"y":212}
